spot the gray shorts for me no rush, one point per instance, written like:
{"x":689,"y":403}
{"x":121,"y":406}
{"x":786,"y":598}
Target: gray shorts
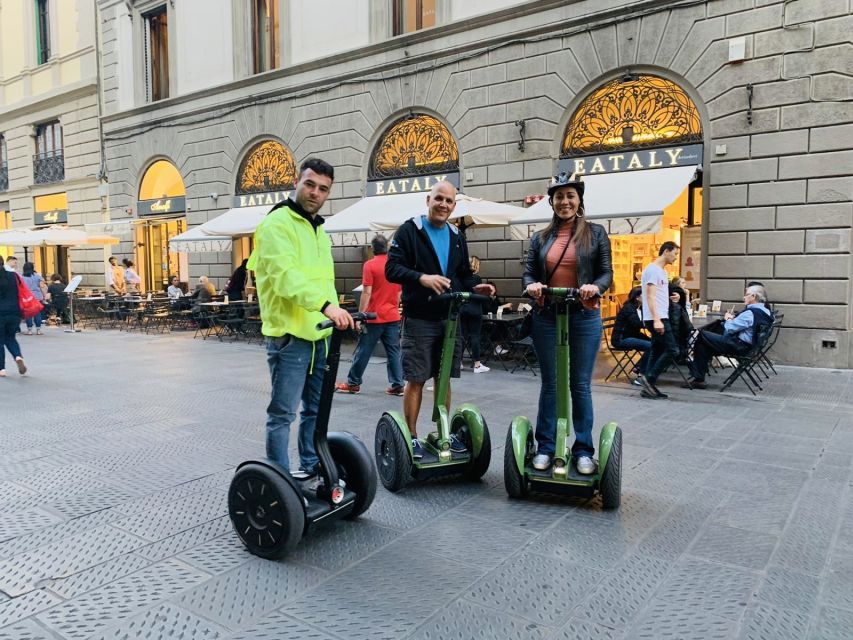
{"x":421,"y":343}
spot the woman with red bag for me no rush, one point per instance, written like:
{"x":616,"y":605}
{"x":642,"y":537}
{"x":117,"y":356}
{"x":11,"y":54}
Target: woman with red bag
{"x":10,"y":319}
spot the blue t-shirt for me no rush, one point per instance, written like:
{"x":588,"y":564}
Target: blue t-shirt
{"x":440,"y":239}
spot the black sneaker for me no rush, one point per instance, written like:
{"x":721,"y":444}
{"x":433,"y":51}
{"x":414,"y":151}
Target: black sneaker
{"x":646,"y":394}
{"x":456,"y":444}
{"x":647,"y":386}
{"x":655,"y":389}
{"x":417,"y":449}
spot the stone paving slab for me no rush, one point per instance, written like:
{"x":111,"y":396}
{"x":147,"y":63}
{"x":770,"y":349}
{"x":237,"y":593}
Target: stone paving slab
{"x":736,"y":520}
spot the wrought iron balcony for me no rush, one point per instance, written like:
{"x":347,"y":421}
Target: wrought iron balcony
{"x":49,"y":167}
{"x":4,"y":176}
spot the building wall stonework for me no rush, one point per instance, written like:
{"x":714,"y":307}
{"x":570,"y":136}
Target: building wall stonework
{"x":775,"y":172}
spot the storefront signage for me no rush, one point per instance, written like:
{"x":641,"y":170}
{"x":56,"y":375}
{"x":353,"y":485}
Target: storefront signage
{"x":261,"y":199}
{"x":634,"y":160}
{"x":353,"y":239}
{"x":161,"y":206}
{"x":57,"y":216}
{"x":409,"y":185}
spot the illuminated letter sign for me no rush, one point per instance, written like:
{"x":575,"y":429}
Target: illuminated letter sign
{"x":409,"y":185}
{"x":689,"y":155}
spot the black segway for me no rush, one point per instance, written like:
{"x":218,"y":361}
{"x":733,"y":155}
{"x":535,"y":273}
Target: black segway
{"x":271,"y":511}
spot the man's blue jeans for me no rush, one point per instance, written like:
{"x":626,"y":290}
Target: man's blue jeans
{"x":296,"y":368}
{"x":664,"y":350}
{"x":371,"y":333}
{"x":584,"y":341}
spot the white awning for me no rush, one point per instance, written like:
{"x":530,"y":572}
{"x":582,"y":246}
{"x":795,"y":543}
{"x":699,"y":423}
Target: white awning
{"x":236,"y":222}
{"x":195,"y":241}
{"x":386,"y":213}
{"x":630,"y":202}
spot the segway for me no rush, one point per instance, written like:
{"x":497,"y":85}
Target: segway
{"x":271,"y":510}
{"x":393,"y":443}
{"x":562,"y":477}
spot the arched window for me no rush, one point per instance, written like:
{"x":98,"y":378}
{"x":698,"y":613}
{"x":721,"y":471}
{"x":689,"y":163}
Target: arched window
{"x":162,"y":180}
{"x":415,"y":145}
{"x":631,"y":112}
{"x":269,"y":166}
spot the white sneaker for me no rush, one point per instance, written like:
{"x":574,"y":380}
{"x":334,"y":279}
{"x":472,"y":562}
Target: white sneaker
{"x":585,"y":465}
{"x":541,"y":461}
{"x":481,"y":369}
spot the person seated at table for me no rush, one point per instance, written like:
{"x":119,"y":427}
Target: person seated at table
{"x":204,"y":292}
{"x":628,"y":330}
{"x":679,"y":320}
{"x":471,"y":319}
{"x":58,"y":297}
{"x":737,"y":339}
{"x":174,"y":291}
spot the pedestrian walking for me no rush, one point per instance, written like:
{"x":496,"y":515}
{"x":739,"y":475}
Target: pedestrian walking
{"x":38,"y":287}
{"x":655,"y":285}
{"x":382,"y":298}
{"x":10,"y":320}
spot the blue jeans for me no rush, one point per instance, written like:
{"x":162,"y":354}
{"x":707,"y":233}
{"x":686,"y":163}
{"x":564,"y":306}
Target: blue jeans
{"x":637,"y":344}
{"x":371,"y":333}
{"x":584,"y":341}
{"x":296,"y":368}
{"x":36,"y":318}
{"x":8,"y":327}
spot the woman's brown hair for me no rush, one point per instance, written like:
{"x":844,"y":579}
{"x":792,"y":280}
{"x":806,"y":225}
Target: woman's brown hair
{"x":583,"y":232}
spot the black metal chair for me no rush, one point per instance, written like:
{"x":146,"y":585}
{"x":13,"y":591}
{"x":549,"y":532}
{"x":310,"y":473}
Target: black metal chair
{"x":746,"y":363}
{"x":625,"y":359}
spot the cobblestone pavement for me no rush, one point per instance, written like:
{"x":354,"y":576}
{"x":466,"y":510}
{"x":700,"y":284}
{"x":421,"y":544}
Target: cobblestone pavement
{"x":116,"y":452}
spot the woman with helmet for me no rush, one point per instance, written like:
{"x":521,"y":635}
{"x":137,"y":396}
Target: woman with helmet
{"x":569,"y":252}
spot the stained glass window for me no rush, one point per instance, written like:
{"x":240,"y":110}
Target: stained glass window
{"x":631,"y":112}
{"x":415,"y":145}
{"x":269,"y":166}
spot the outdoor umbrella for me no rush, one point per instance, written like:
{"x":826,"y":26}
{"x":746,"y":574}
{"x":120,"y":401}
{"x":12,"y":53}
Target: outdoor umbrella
{"x":53,"y":236}
{"x":196,"y":241}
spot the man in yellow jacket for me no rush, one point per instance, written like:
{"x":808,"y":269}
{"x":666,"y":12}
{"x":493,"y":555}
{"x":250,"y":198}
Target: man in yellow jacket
{"x":295,"y":279}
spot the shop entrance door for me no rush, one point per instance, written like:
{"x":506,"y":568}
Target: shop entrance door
{"x":154,"y":261}
{"x":50,"y":260}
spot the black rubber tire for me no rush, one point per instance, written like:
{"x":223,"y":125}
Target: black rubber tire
{"x":611,"y":479}
{"x":477,"y":466}
{"x":356,"y":467}
{"x":266,"y":511}
{"x":515,"y":483}
{"x":392,"y":455}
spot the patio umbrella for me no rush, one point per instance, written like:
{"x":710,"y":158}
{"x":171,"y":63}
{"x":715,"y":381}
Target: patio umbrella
{"x":235,"y":223}
{"x":383,"y":213}
{"x":53,"y":236}
{"x":196,"y":241}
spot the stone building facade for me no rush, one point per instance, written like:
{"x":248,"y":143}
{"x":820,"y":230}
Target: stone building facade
{"x":50,"y":141}
{"x":769,"y":80}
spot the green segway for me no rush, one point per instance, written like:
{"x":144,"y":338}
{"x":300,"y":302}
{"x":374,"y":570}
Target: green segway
{"x":393,"y":443}
{"x":562,"y":477}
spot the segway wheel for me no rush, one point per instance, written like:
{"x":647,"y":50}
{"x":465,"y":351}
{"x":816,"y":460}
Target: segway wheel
{"x":611,"y":479}
{"x":266,"y":511}
{"x":392,"y":455}
{"x":355,"y":467}
{"x":514,"y":481}
{"x":477,"y":466}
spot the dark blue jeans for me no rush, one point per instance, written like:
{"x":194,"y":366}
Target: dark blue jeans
{"x":35,"y":319}
{"x":584,"y":341}
{"x":296,"y":369}
{"x":371,"y":333}
{"x":637,"y":344}
{"x":9,"y":325}
{"x":664,"y":350}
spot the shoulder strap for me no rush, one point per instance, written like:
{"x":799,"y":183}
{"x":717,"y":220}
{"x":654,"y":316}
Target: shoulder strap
{"x":550,"y":275}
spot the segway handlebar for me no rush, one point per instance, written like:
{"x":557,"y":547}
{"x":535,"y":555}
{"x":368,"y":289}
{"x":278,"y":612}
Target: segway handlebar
{"x":467,"y":296}
{"x":569,"y":294}
{"x":359,"y":316}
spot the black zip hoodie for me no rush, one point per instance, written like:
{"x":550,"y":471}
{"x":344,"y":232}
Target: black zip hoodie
{"x":411,"y":255}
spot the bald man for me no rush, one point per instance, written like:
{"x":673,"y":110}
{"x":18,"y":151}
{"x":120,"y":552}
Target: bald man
{"x":428,"y":256}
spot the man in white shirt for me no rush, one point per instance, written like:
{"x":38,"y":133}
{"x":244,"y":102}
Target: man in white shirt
{"x":655,"y":285}
{"x":11,"y":264}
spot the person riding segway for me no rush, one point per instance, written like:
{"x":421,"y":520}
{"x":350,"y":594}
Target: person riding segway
{"x":568,"y":268}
